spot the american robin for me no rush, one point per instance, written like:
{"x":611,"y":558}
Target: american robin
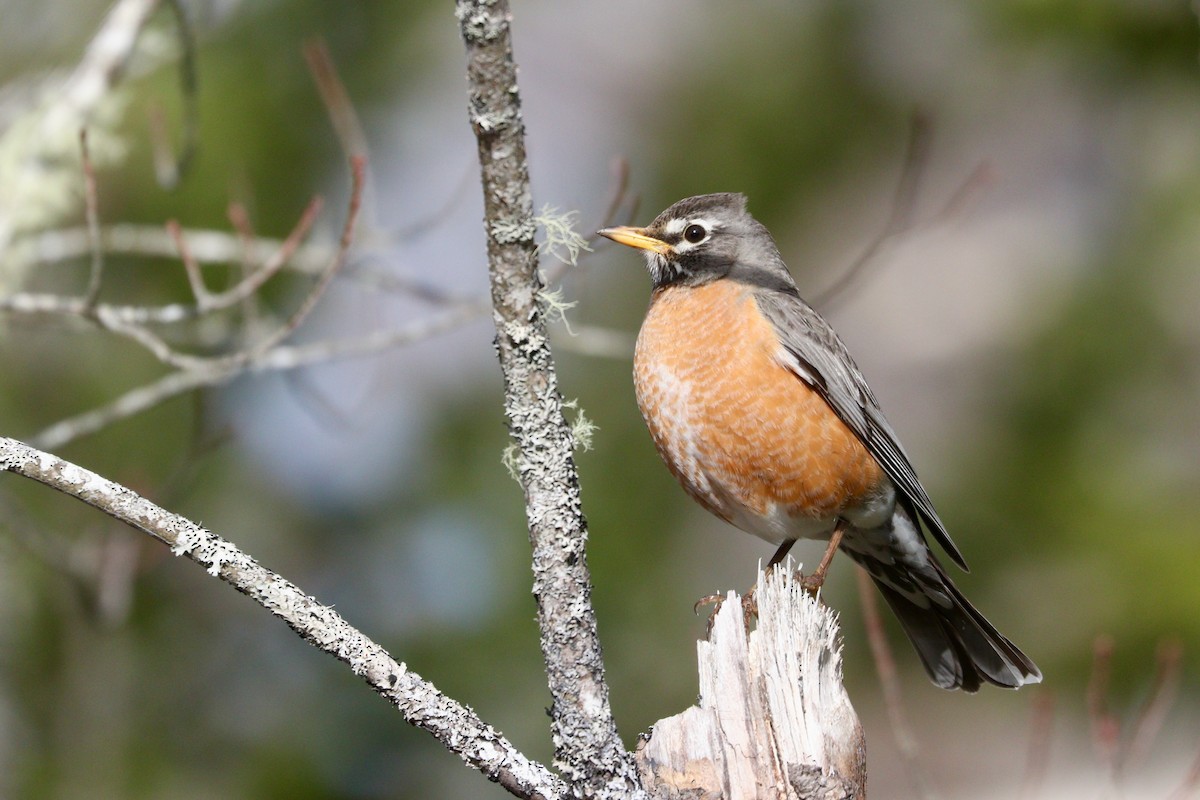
{"x":758,"y":409}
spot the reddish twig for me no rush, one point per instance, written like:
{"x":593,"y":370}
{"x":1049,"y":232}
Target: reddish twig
{"x":248,"y":240}
{"x":342,"y":114}
{"x":195,"y":279}
{"x":1106,"y":728}
{"x":1191,"y":782}
{"x":1153,"y":712}
{"x":207,"y":301}
{"x":239,"y":219}
{"x":336,"y":99}
{"x":1037,"y":759}
{"x":165,"y":353}
{"x":358,"y":166}
{"x":885,"y":667}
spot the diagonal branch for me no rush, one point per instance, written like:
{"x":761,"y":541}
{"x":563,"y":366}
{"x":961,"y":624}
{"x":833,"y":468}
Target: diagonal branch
{"x":278,"y":359}
{"x":454,"y":725}
{"x":587,"y":747}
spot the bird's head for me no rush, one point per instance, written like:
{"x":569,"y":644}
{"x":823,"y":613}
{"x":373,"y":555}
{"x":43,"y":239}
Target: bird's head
{"x":704,"y":238}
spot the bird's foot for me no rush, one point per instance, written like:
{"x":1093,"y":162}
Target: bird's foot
{"x":813,"y":583}
{"x":749,"y":608}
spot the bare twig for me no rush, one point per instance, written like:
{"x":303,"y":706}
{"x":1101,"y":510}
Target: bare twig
{"x":1106,"y":729}
{"x":885,"y":667}
{"x":1153,"y":713}
{"x":901,"y":217}
{"x":103,"y":64}
{"x":168,"y":169}
{"x":168,"y":355}
{"x":903,"y":204}
{"x":358,"y":167}
{"x":214,"y":247}
{"x":587,"y":747}
{"x":1037,"y":759}
{"x":342,"y":114}
{"x":983,"y":176}
{"x":457,"y":727}
{"x":336,"y":99}
{"x":125,"y":319}
{"x":159,"y":391}
{"x":239,"y":218}
{"x":441,"y":213}
{"x":91,"y":207}
{"x":1191,"y":782}
{"x":195,"y":279}
{"x":207,"y":301}
{"x":620,"y":195}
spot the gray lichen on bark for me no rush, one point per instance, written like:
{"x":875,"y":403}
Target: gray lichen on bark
{"x":587,"y":747}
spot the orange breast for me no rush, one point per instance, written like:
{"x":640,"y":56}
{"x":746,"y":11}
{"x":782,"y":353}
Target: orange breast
{"x":746,"y":438}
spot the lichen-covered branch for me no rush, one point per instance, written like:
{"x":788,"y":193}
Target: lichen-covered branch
{"x":39,"y":149}
{"x":586,"y":744}
{"x":453,"y":724}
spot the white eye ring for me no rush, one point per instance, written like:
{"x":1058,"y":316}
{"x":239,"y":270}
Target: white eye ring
{"x":695,"y":233}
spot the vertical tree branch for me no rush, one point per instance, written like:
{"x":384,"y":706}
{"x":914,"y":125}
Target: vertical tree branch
{"x":586,"y":744}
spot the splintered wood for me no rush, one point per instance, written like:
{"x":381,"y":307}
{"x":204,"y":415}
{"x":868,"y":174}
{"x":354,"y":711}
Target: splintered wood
{"x":774,"y":721}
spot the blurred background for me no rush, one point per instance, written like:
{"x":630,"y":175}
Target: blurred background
{"x":1033,"y":334}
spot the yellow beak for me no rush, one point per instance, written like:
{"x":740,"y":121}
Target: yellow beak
{"x":636,"y":237}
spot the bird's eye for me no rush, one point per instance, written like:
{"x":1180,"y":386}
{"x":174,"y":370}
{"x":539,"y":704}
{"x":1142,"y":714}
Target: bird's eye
{"x":694,"y":233}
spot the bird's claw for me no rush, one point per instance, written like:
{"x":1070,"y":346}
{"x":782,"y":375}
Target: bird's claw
{"x":749,"y":608}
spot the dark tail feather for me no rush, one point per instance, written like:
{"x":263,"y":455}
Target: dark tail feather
{"x":958,"y":646}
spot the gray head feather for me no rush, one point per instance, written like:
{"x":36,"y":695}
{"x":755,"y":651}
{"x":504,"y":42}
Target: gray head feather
{"x":733,"y":245}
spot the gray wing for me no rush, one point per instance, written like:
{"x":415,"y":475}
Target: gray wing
{"x":823,"y":362}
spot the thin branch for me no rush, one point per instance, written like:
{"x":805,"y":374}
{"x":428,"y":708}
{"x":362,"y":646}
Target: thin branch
{"x":440,"y":214}
{"x":168,"y":355}
{"x":1191,"y":782}
{"x":587,"y":747}
{"x":885,"y":667}
{"x":239,"y":218}
{"x":358,"y":166}
{"x":457,"y":727}
{"x":1106,"y":729}
{"x":256,"y":279}
{"x":342,"y":114}
{"x":983,"y":176}
{"x":122,"y":318}
{"x":901,"y":217}
{"x":190,"y":267}
{"x":903,"y":204}
{"x":336,"y":99}
{"x":1153,"y":713}
{"x":620,"y":194}
{"x":280,"y":358}
{"x":169,"y":169}
{"x":1037,"y":758}
{"x":91,"y":207}
{"x":103,"y":64}
{"x":212,"y":247}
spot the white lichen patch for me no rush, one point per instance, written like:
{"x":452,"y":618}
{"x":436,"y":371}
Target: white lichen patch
{"x":560,"y":239}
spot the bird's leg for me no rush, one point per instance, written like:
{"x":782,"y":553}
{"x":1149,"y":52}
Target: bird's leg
{"x":812,"y":583}
{"x":749,"y":605}
{"x":780,"y":554}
